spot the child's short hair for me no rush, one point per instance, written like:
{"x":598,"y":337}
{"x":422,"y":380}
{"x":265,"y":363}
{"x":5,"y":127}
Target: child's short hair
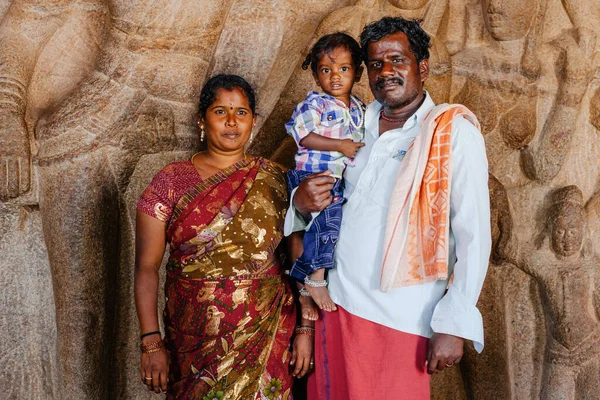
{"x":329,"y":43}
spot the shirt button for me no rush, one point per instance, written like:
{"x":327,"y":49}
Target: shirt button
{"x":359,"y":190}
{"x":374,"y":158}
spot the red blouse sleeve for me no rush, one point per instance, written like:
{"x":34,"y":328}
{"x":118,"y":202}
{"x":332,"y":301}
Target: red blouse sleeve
{"x":158,"y":200}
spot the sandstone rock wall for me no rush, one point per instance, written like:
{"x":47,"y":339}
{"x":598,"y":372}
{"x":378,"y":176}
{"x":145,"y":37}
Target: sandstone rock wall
{"x":97,"y":95}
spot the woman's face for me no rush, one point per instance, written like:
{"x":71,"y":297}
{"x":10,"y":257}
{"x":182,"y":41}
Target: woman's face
{"x":228,"y":121}
{"x":509,"y":19}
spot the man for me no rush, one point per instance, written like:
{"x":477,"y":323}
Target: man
{"x":385,"y":339}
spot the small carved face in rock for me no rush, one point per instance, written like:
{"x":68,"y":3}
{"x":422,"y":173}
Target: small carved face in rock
{"x":509,"y":19}
{"x":409,"y":4}
{"x":567,"y":230}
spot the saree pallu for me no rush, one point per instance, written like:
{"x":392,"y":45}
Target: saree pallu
{"x":229,"y":313}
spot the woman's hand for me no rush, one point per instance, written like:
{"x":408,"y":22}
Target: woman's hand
{"x":302,"y":355}
{"x":155,"y":370}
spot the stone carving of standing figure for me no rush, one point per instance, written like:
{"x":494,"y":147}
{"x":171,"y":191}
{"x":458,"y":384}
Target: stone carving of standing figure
{"x":568,"y":276}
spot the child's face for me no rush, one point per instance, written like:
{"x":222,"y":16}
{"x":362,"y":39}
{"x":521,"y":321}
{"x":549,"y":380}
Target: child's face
{"x":336,"y":73}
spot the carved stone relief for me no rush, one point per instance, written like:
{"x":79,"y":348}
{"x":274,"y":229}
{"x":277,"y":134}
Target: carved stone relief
{"x":96,"y":95}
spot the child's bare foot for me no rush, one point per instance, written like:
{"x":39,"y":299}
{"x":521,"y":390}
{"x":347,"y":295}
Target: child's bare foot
{"x":317,"y":287}
{"x":309,"y":308}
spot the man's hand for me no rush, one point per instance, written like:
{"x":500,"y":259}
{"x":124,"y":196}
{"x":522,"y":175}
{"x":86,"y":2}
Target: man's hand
{"x":349,"y":148}
{"x":443,"y":351}
{"x":314,"y":193}
{"x":15,"y":156}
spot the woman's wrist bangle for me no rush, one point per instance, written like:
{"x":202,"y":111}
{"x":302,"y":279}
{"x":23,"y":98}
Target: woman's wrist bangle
{"x":152,"y":347}
{"x":149,"y":334}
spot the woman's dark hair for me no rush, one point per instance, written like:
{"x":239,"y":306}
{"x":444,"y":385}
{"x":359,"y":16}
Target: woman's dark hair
{"x":417,"y":38}
{"x":327,"y":44}
{"x":227,"y":82}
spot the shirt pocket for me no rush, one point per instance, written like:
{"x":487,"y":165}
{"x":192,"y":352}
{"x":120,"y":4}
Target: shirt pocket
{"x":382,"y":188}
{"x":332,"y":118}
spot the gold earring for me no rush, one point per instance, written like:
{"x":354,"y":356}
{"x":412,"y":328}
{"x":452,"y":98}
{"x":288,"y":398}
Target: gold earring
{"x":202,"y":133}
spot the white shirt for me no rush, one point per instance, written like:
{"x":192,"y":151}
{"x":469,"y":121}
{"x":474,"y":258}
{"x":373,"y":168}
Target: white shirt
{"x":419,"y":309}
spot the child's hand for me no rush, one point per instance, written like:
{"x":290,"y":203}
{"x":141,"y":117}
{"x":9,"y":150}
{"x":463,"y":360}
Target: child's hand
{"x":349,"y":148}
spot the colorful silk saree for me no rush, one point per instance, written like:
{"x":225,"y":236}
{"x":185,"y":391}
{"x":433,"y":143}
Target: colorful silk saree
{"x":229,"y":313}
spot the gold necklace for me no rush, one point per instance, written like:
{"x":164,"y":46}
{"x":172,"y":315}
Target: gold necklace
{"x":200,"y":152}
{"x":195,"y":154}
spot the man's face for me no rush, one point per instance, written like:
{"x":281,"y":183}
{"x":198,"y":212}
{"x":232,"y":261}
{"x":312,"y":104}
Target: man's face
{"x":567,"y":231}
{"x":395,"y":77}
{"x":508,"y":19}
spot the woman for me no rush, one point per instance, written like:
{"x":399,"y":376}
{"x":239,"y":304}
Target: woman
{"x":229,"y":313}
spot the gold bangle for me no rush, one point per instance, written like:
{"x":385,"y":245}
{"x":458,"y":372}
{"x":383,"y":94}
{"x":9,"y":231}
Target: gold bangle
{"x":152,"y":351}
{"x":152,"y":347}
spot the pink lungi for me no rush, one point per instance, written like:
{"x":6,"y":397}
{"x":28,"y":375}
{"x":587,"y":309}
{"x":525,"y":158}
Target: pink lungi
{"x":360,"y":359}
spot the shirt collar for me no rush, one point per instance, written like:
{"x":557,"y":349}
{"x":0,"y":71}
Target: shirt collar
{"x":357,"y":102}
{"x":373,"y":110}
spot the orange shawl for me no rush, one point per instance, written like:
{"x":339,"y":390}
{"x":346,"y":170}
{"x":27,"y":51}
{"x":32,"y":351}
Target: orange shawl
{"x":415,"y":247}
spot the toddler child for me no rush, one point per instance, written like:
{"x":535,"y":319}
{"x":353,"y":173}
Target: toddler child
{"x":328,"y":128}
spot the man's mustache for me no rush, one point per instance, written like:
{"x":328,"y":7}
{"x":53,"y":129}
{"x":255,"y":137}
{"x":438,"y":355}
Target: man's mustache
{"x":380,"y":84}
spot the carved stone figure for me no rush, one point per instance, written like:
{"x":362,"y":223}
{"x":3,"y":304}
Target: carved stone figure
{"x":568,"y":277}
{"x":509,"y":73}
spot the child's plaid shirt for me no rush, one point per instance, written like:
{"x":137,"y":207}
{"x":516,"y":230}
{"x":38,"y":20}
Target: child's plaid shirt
{"x":327,"y":116}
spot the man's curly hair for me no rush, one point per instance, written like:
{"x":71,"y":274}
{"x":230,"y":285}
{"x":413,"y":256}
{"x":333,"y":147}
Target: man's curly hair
{"x":418,"y":39}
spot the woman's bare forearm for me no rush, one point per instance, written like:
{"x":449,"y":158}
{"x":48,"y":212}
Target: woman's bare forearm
{"x":146,"y":298}
{"x":149,"y":250}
